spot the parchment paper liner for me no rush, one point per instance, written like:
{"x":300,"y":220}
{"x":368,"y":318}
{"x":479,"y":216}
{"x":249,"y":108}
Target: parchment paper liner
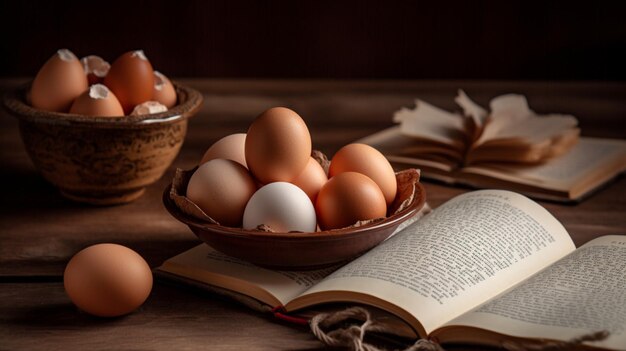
{"x":406,"y":180}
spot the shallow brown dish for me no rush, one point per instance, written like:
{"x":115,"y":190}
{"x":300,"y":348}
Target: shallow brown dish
{"x":103,"y":160}
{"x":297,"y":251}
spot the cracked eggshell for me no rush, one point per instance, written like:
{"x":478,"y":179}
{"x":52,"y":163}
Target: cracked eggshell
{"x":97,"y":101}
{"x":163,"y":91}
{"x":96,"y":68}
{"x":281,"y":206}
{"x":59,"y":81}
{"x":131,"y":79}
{"x":148,"y":108}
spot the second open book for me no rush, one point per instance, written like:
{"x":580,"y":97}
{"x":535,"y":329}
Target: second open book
{"x":510,"y":147}
{"x":486,"y":267}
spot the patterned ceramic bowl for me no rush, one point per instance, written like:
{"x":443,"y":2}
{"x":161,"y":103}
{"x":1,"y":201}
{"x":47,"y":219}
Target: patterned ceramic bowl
{"x":103,"y":160}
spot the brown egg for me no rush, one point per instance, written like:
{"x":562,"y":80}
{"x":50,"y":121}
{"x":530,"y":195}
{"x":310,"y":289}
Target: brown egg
{"x":222,"y":188}
{"x":96,"y":68}
{"x":230,"y":147}
{"x":131,"y":79}
{"x":365,"y":159}
{"x":59,"y":81}
{"x":347,"y":198}
{"x":278,"y":146}
{"x":311,"y":179}
{"x":107,"y":280}
{"x":163,"y":91}
{"x":97,"y":101}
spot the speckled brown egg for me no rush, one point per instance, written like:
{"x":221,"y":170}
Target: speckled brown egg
{"x":278,"y":145}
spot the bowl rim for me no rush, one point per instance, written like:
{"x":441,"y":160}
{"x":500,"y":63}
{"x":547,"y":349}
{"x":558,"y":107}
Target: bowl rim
{"x":336,"y":234}
{"x":15,"y":103}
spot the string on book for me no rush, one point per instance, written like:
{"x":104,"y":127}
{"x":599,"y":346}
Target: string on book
{"x":352,"y":336}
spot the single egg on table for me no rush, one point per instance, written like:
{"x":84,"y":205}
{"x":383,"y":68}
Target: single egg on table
{"x":278,"y":146}
{"x":283,"y":207}
{"x":347,"y":198}
{"x":59,"y":81}
{"x":107,"y":280}
{"x":366,"y":160}
{"x":222,"y":188}
{"x":311,"y":179}
{"x":131,"y":79}
{"x":230,"y":147}
{"x":97,"y":101}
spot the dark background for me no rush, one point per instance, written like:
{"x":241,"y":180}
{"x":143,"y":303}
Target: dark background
{"x":550,"y":40}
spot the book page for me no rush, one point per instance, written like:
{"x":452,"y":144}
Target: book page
{"x":582,"y":293}
{"x":205,"y":264}
{"x":465,"y":252}
{"x":391,"y":142}
{"x":590,"y":159}
{"x":512,"y":118}
{"x":428,"y":122}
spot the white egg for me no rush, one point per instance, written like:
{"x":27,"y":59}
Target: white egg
{"x":282,"y":206}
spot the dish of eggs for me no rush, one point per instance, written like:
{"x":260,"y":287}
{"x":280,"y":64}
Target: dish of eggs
{"x":93,"y":87}
{"x":266,"y":197}
{"x":267,"y":179}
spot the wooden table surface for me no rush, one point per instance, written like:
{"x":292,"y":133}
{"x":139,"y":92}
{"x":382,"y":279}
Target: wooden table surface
{"x":40,"y":230}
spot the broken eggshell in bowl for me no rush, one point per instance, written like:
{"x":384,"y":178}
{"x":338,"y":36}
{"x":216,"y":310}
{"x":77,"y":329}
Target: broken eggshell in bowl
{"x":102,"y":160}
{"x":296,"y":250}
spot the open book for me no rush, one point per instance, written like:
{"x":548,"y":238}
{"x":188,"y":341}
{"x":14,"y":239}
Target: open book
{"x":486,"y":267}
{"x":510,"y":147}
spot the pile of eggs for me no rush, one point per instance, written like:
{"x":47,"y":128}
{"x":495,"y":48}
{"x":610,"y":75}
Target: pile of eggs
{"x":267,"y":177}
{"x":92,"y":87}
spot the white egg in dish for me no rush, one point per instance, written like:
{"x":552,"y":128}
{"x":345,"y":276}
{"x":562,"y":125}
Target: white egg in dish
{"x":283,"y":207}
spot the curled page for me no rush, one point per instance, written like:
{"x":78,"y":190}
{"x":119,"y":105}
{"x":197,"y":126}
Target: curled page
{"x":471,"y":109}
{"x":428,"y":122}
{"x":510,"y":132}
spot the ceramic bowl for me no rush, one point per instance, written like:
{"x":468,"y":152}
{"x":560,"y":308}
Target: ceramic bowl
{"x":103,"y":160}
{"x":298,"y":251}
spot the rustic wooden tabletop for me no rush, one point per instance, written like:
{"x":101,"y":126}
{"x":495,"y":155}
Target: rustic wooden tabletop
{"x":40,"y":230}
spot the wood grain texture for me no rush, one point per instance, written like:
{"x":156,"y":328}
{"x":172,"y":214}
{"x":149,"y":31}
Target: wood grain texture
{"x":173,"y":318}
{"x":40,"y":230}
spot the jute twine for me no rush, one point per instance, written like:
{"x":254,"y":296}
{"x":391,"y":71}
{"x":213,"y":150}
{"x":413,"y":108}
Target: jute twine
{"x":352,"y":336}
